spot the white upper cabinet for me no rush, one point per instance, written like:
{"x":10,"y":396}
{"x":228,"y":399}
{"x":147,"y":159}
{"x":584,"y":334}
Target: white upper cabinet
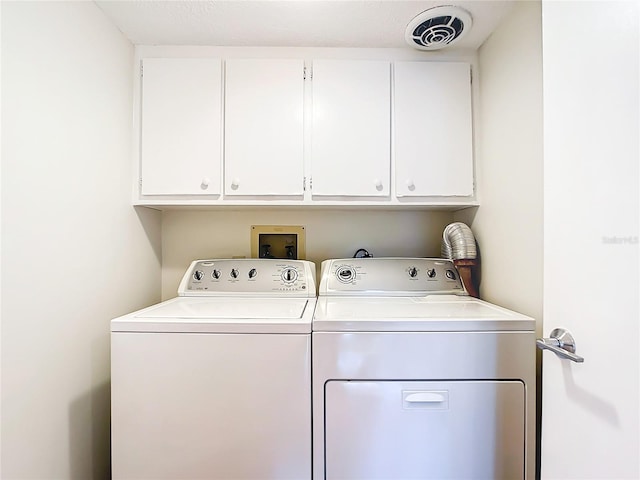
{"x":254,"y":131}
{"x":264,"y":127}
{"x":351,"y":131}
{"x":181,"y":119}
{"x":433,"y":133}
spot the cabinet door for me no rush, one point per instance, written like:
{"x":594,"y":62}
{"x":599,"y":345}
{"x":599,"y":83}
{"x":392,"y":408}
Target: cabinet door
{"x":181,"y":126}
{"x":350,"y":149}
{"x":263,"y":127}
{"x":433,"y":136}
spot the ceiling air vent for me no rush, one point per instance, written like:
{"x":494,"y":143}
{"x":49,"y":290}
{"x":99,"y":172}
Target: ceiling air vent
{"x":437,"y":28}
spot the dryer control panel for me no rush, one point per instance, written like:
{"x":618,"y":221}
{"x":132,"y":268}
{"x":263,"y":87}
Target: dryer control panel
{"x":390,"y":276}
{"x":249,"y":276}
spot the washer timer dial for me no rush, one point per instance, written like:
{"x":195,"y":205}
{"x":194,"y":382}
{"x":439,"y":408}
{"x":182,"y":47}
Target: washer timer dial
{"x":289,"y":275}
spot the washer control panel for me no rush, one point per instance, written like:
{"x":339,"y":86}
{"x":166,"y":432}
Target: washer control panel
{"x":389,"y":276}
{"x":249,"y":277}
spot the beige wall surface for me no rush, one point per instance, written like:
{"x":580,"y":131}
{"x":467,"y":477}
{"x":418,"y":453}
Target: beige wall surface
{"x":70,"y":235}
{"x":75,"y":253}
{"x":508,"y":224}
{"x":190,"y":235}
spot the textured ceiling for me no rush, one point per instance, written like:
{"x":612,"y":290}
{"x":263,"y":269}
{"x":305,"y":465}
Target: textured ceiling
{"x":301,"y":23}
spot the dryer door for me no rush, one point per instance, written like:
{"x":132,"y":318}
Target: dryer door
{"x":429,"y":430}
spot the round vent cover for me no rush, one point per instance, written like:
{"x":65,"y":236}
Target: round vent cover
{"x":437,"y":28}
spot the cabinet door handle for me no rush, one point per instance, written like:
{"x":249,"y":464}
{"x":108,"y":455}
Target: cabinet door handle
{"x":235,"y":183}
{"x":378,"y":184}
{"x":205,"y":183}
{"x":410,"y":185}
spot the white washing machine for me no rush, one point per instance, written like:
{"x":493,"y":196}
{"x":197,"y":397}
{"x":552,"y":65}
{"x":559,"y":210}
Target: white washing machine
{"x":216,"y":383}
{"x":413,"y":379}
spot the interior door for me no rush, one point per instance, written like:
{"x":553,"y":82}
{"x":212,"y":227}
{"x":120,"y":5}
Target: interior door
{"x":590,"y":410}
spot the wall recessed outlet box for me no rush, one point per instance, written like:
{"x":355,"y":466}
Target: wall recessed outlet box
{"x":278,"y":241}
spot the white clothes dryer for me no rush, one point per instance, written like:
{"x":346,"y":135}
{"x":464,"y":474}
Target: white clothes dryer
{"x":413,"y":379}
{"x":216,"y":383}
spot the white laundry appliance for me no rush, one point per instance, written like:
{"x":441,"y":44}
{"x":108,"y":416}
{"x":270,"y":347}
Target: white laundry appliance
{"x":216,"y":383}
{"x":413,"y":379}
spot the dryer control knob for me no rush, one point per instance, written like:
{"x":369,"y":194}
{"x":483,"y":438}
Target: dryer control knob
{"x":431,"y":273}
{"x":413,"y":272}
{"x":198,"y":275}
{"x":450,"y":274}
{"x":234,"y":273}
{"x":345,"y":274}
{"x":216,"y":274}
{"x":252,"y":273}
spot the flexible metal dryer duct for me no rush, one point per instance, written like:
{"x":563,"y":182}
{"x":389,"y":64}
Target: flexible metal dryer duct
{"x":458,"y":242}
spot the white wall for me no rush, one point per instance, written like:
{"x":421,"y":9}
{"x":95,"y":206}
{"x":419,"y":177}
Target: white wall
{"x":74,"y":251}
{"x":508,"y":224}
{"x":330,"y":234}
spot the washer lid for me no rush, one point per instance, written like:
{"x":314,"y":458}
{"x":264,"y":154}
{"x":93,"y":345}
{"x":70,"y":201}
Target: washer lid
{"x":433,"y":313}
{"x":221,"y":315}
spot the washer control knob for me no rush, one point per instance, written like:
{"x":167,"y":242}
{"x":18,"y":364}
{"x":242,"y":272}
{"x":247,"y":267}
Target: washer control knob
{"x":450,"y":274}
{"x":234,"y":273}
{"x":252,"y":273}
{"x":289,"y":275}
{"x":215,"y":274}
{"x":198,"y":275}
{"x":431,"y":273}
{"x":413,"y":272}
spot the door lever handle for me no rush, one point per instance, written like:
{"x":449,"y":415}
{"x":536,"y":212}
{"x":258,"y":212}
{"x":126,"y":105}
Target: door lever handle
{"x":561,"y":343}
